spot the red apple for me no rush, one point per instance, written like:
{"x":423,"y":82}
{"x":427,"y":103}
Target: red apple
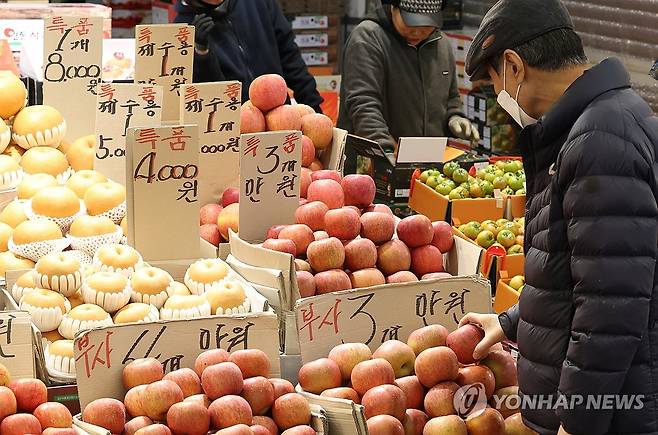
{"x":399,"y":354}
{"x":299,"y":430}
{"x":231,"y":195}
{"x":463,"y":342}
{"x":52,"y":414}
{"x":393,"y":256}
{"x":29,"y":393}
{"x":209,"y":358}
{"x":378,"y":208}
{"x":257,"y":429}
{"x":136,"y":424}
{"x":320,"y":128}
{"x":413,"y":390}
{"x":401,"y":277}
{"x":384,"y":400}
{"x":355,"y":208}
{"x":312,"y":214}
{"x":252,"y":119}
{"x":326,"y":254}
{"x":210,"y":233}
{"x":320,"y":235}
{"x":302,"y":265}
{"x":265,"y":422}
{"x":229,"y":219}
{"x":200,"y":399}
{"x":188,"y":418}
{"x":487,"y":422}
{"x":367,"y":278}
{"x":281,"y":245}
{"x":20,"y":424}
{"x":437,"y":275}
{"x":384,"y":425}
{"x":470,"y":375}
{"x":319,"y":375}
{"x":503,"y":366}
{"x":209,"y":213}
{"x":414,"y":422}
{"x":316,"y":165}
{"x":378,"y":227}
{"x":370,"y":374}
{"x":308,"y":151}
{"x":436,"y":364}
{"x":443,"y":238}
{"x":5,"y":377}
{"x":302,"y":235}
{"x":154,"y":429}
{"x":283,"y":118}
{"x":133,"y":401}
{"x":304,"y":182}
{"x":439,"y":400}
{"x":326,"y":174}
{"x":342,"y":223}
{"x":426,"y":259}
{"x":222,"y":379}
{"x":305,"y":283}
{"x":273,"y":232}
{"x":446,"y":425}
{"x":342,"y":393}
{"x":360,"y":254}
{"x":109,"y":414}
{"x":359,"y":190}
{"x":158,"y":397}
{"x":327,"y":191}
{"x":64,"y":431}
{"x":415,"y":231}
{"x":427,"y":337}
{"x":291,"y":410}
{"x":281,"y":387}
{"x":348,"y":355}
{"x":514,"y":426}
{"x":507,"y":401}
{"x":228,"y":411}
{"x":252,"y":362}
{"x":187,"y":380}
{"x":331,"y":281}
{"x":7,"y":402}
{"x":259,"y":393}
{"x":239,"y":429}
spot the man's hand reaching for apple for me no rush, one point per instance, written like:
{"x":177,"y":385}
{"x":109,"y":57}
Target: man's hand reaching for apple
{"x":493,"y":332}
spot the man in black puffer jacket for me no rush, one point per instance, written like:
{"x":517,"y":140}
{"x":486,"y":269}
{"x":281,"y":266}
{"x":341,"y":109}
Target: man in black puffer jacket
{"x":586,"y":323}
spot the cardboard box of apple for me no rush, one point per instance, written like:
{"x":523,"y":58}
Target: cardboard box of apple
{"x":342,"y":241}
{"x":226,"y":394}
{"x":503,"y":232}
{"x":24,"y":408}
{"x":409,"y":388}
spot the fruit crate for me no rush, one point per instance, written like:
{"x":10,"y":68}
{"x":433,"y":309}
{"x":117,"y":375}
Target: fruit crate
{"x":506,"y":297}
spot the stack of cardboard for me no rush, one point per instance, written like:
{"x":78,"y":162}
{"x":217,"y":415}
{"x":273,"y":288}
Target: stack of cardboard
{"x":498,"y":133}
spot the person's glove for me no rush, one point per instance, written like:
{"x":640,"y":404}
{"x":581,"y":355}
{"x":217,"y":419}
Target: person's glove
{"x":203,"y":24}
{"x":463,"y":129}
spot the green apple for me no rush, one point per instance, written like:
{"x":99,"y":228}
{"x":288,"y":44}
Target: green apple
{"x":490,"y":177}
{"x":485,"y":239}
{"x":472,"y":231}
{"x":436,"y":173}
{"x":449,"y":168}
{"x":476,"y":191}
{"x":499,"y":172}
{"x":507,"y":191}
{"x":517,"y":282}
{"x":487,"y":188}
{"x":501,"y":222}
{"x":508,"y":175}
{"x":490,"y":169}
{"x":490,"y":226}
{"x":462,"y":229}
{"x":457,"y":193}
{"x":424,"y":176}
{"x":519,"y":164}
{"x":475,"y":224}
{"x":511,"y":226}
{"x":499,"y":183}
{"x":481,"y":174}
{"x":520,"y":192}
{"x":514,"y":183}
{"x":506,"y":238}
{"x":460,"y":175}
{"x":450,"y":183}
{"x":510,"y":166}
{"x":432,"y":182}
{"x":444,"y":189}
{"x":515,"y":249}
{"x":500,"y":164}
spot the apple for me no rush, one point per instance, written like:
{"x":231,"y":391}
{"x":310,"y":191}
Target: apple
{"x":399,"y":354}
{"x":259,"y":393}
{"x":7,"y":402}
{"x":437,"y":364}
{"x":302,"y":265}
{"x":426,"y":259}
{"x":136,"y":424}
{"x":239,"y":429}
{"x":393,"y":256}
{"x":158,"y":397}
{"x":359,"y":190}
{"x":415,"y":231}
{"x":281,"y":387}
{"x":209,"y":358}
{"x":252,"y":362}
{"x":427,"y":337}
{"x":320,"y":128}
{"x":355,"y":208}
{"x":222,"y":379}
{"x":487,"y":422}
{"x":154,"y":429}
{"x":20,"y":424}
{"x":267,"y":423}
{"x":291,"y":410}
{"x":187,"y":380}
{"x":320,"y":235}
{"x":201,"y":399}
{"x":503,"y":366}
{"x":367,"y":278}
{"x":312,"y":214}
{"x":470,"y":375}
{"x":133,"y":401}
{"x":348,"y":355}
{"x":384,"y":425}
{"x":281,"y":245}
{"x":283,"y":118}
{"x":327,"y":191}
{"x":443,"y":238}
{"x":305,"y":283}
{"x":188,"y":418}
{"x":342,"y":223}
{"x":5,"y":377}
{"x":514,"y":426}
{"x":63,"y":431}
{"x":446,"y":425}
{"x":326,"y":174}
{"x":210,"y":233}
{"x":436,"y":275}
{"x":304,"y":182}
{"x":378,"y":208}
{"x":360,"y":254}
{"x":302,"y":235}
{"x":463,"y":342}
{"x":252,"y":119}
{"x":299,"y":430}
{"x":414,"y":422}
{"x":378,"y":227}
{"x":209,"y":213}
{"x":507,"y":401}
{"x":439,"y":400}
{"x":268,"y":91}
{"x":316,"y":165}
{"x":273,"y":232}
{"x":401,"y":277}
{"x":109,"y":414}
{"x":326,"y":254}
{"x":308,"y":151}
{"x":229,"y":218}
{"x":371,"y":373}
{"x":231,"y":195}
{"x":29,"y":393}
{"x":52,"y":414}
{"x":331,"y":281}
{"x":384,"y":400}
{"x":228,"y":411}
{"x":346,"y":393}
{"x":319,"y":375}
{"x":413,"y":390}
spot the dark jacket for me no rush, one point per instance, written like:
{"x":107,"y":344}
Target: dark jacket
{"x":253,"y":39}
{"x":586,"y":320}
{"x":391,"y":89}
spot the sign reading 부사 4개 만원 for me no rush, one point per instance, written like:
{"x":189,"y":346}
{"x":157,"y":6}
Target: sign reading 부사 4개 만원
{"x":72,"y":59}
{"x":162,"y":187}
{"x":164,"y":56}
{"x":215,"y":108}
{"x":270,"y":167}
{"x":118,"y":108}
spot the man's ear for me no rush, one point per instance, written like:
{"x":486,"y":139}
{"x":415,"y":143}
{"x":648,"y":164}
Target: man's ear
{"x":516,"y":65}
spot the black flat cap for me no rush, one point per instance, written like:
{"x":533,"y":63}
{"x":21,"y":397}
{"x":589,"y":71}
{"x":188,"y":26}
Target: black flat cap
{"x":510,"y":23}
{"x":421,"y":12}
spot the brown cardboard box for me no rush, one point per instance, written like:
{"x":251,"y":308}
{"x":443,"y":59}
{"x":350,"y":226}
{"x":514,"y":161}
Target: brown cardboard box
{"x":506,"y":296}
{"x":17,"y":339}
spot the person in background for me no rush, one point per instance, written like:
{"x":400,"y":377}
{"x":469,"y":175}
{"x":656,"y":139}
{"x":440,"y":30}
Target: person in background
{"x":243,"y":39}
{"x":586,"y":322}
{"x":399,"y":77}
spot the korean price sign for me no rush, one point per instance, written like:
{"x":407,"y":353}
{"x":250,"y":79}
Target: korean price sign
{"x":16,"y":350}
{"x":163,"y":205}
{"x":164,"y":55}
{"x":118,"y":108}
{"x":215,"y":108}
{"x":390,"y":312}
{"x":101,"y":354}
{"x":270,"y":167}
{"x":72,"y":59}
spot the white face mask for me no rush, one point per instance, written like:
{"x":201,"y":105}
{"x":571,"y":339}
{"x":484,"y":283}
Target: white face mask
{"x":511,"y":105}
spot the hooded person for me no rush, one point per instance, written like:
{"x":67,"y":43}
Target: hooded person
{"x":586,"y":321}
{"x":399,"y":77}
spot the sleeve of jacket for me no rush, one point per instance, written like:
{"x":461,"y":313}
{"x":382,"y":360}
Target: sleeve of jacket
{"x":206,"y":67}
{"x":294,"y":68}
{"x":363,"y":85}
{"x":509,"y":321}
{"x":611,"y":220}
{"x":455,"y":104}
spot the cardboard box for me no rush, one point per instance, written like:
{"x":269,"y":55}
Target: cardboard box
{"x":310,"y":22}
{"x":516,"y":206}
{"x":17,"y":339}
{"x":498,"y":139}
{"x":312,"y":40}
{"x":506,"y":296}
{"x":315,"y":57}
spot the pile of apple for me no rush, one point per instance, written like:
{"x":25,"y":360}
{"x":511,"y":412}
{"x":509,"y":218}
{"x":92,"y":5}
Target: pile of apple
{"x":347,"y":242}
{"x":266,"y":111}
{"x":24,"y":408}
{"x":505,"y":233}
{"x":215,"y":220}
{"x":228,"y":393}
{"x":409,"y":388}
{"x":517,"y":283}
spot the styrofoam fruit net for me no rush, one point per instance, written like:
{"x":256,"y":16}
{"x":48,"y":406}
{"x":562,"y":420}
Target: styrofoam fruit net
{"x":63,"y":223}
{"x":45,"y":319}
{"x":34,"y":251}
{"x":10,"y":180}
{"x":90,"y":245}
{"x":110,"y":302}
{"x":99,"y":266}
{"x":70,"y":326}
{"x":64,"y":176}
{"x":59,"y":367}
{"x":17,"y":292}
{"x":67,"y":285}
{"x":116,"y":214}
{"x":157,"y":301}
{"x":50,"y":137}
{"x":202,"y":310}
{"x":83,"y":257}
{"x":242,"y":309}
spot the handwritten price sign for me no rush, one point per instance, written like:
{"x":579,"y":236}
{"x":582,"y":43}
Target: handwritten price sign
{"x":118,"y":108}
{"x":163,"y":164}
{"x":73,"y":51}
{"x":101,"y":354}
{"x":270,"y":167}
{"x":16,"y":349}
{"x":165,"y":56}
{"x":389,"y":312}
{"x":215,"y":108}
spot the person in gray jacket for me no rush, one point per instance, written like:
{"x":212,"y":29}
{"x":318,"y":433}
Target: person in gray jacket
{"x":399,"y":78}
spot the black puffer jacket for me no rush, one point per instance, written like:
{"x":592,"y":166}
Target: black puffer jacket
{"x":586,"y":321}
